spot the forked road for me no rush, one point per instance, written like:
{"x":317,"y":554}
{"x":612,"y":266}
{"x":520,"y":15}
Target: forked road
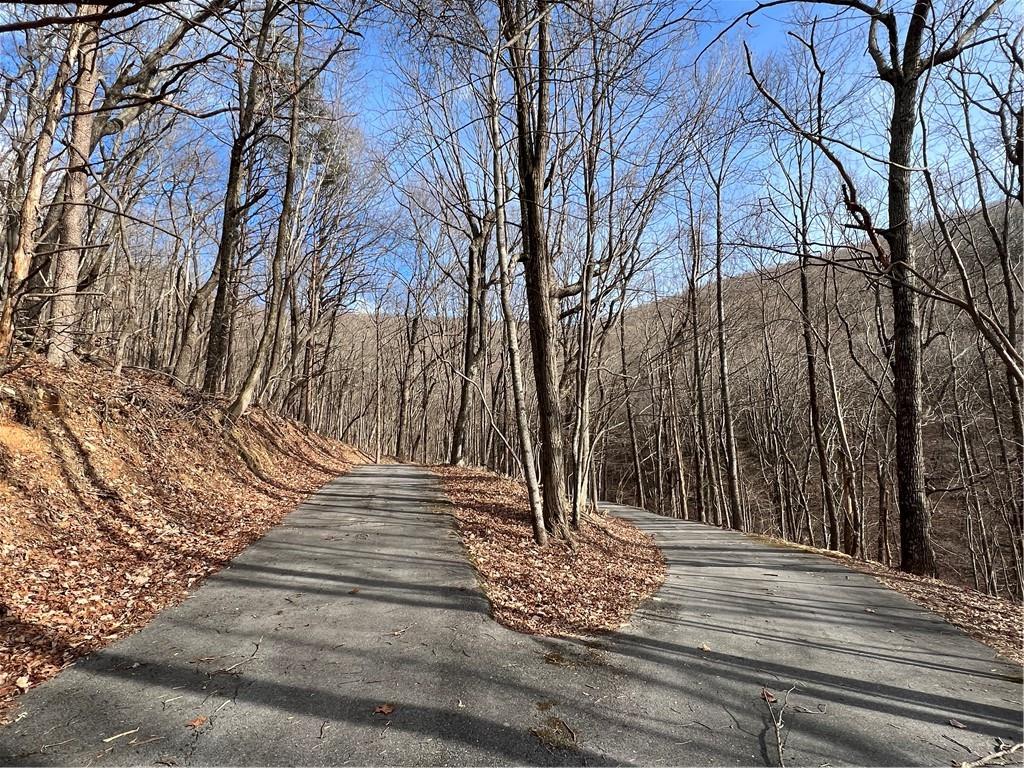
{"x":362,"y":600}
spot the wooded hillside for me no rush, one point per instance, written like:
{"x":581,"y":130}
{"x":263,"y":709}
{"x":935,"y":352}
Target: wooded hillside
{"x":760,"y":270}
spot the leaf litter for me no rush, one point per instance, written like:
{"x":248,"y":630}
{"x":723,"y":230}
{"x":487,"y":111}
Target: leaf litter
{"x":593,"y":585}
{"x":118,"y":495}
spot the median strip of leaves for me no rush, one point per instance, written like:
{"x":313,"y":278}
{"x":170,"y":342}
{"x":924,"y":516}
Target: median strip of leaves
{"x":593,"y":584}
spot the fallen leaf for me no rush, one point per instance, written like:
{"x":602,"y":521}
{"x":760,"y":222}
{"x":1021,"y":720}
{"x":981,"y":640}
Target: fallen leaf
{"x":706,"y":648}
{"x":198,"y":723}
{"x":768,"y":696}
{"x":23,"y":682}
{"x":354,"y":590}
{"x":957,"y":724}
{"x":384,"y":709}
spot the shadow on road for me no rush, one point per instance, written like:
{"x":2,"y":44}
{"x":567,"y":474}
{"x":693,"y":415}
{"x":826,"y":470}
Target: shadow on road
{"x":363,"y":598}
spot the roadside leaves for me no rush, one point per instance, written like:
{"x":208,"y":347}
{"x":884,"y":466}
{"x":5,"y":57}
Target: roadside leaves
{"x":124,"y":494}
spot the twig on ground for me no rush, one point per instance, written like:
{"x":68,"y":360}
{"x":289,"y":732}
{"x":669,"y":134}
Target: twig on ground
{"x":119,"y":735}
{"x":571,"y":732}
{"x":222,"y":705}
{"x":777,"y":723}
{"x":228,"y":670}
{"x":1003,"y":750}
{"x":150,"y":740}
{"x":57,"y":744}
{"x":963,"y":746}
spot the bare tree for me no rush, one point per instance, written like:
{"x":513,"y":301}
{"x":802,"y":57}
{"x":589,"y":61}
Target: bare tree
{"x":901,"y":64}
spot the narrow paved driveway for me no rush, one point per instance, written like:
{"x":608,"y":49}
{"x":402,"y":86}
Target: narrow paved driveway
{"x":362,"y":600}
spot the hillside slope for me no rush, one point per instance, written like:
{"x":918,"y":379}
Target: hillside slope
{"x":118,"y":495}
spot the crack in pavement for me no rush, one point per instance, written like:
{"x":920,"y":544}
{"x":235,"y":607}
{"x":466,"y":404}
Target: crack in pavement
{"x":363,"y":597}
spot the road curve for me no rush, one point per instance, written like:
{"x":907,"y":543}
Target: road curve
{"x":354,"y":633}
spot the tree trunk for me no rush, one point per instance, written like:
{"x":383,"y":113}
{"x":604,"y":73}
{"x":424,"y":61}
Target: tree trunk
{"x":704,"y":454}
{"x":275,"y":307}
{"x":64,"y":305}
{"x":508,"y":316}
{"x":405,"y":385}
{"x":472,"y":345}
{"x":731,"y":462}
{"x":216,"y":352}
{"x":222,"y":271}
{"x":634,"y":442}
{"x":28,"y":215}
{"x":814,"y":409}
{"x":916,"y":554}
{"x":532,"y":138}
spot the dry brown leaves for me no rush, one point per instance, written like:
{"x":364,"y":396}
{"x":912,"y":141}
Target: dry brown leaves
{"x":592,"y":586}
{"x":117,"y":497}
{"x":994,"y":621}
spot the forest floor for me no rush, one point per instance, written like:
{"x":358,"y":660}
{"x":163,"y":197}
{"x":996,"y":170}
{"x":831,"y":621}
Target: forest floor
{"x":118,"y":495}
{"x":355,"y":632}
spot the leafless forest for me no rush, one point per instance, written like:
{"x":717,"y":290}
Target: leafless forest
{"x":753,"y":265}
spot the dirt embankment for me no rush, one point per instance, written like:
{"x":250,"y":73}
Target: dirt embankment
{"x":118,"y":495}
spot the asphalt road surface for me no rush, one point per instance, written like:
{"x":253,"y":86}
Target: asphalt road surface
{"x":355,"y":633}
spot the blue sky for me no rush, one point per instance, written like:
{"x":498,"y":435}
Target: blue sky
{"x":372,"y":93}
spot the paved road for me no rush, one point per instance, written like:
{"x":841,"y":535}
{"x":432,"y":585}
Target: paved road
{"x":363,"y":598}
